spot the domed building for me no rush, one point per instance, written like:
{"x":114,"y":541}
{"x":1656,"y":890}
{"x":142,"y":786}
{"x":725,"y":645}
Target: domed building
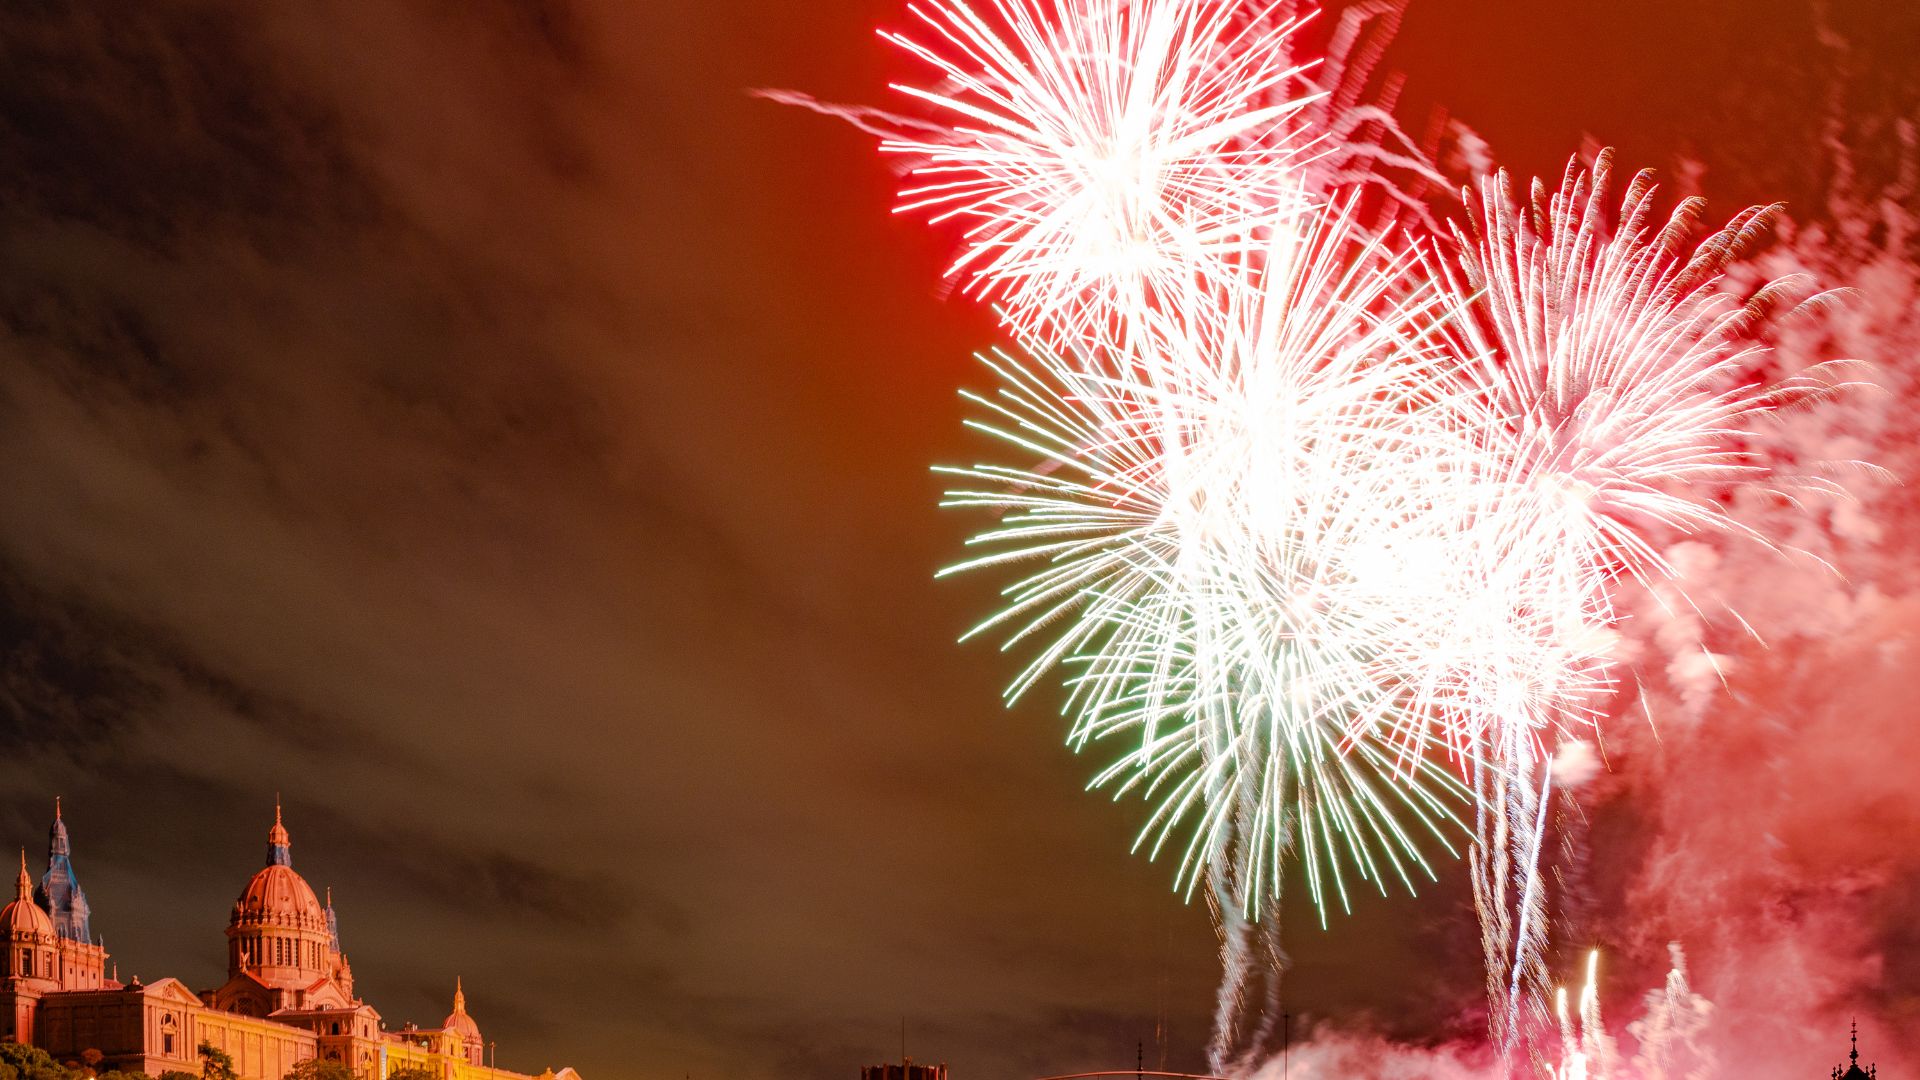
{"x":32,"y":942}
{"x":462,"y":1034}
{"x":42,"y":954}
{"x":283,"y":946}
{"x":288,"y":997}
{"x":457,"y":1038}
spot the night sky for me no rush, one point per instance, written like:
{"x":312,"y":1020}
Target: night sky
{"x":484,"y":424}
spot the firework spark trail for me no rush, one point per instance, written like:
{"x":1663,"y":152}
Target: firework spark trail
{"x":1250,"y":955}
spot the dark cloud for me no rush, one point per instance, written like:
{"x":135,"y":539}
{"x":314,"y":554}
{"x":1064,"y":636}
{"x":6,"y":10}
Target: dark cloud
{"x":159,"y":122}
{"x":65,"y":681}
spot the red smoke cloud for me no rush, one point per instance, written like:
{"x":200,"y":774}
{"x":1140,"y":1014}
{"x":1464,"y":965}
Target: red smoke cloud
{"x":1760,"y":808}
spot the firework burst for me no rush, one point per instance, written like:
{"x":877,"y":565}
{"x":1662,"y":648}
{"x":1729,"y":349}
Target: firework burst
{"x":1225,"y":560}
{"x":1103,"y":155}
{"x":1324,"y":537}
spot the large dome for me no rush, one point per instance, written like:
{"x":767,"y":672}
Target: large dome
{"x":278,"y":896}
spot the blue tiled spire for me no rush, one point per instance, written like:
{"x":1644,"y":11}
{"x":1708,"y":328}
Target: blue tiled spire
{"x":60,"y":892}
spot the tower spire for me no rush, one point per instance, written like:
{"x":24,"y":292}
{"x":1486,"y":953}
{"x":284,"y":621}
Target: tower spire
{"x":23,"y":885}
{"x":57,"y":841}
{"x":333,"y":921}
{"x":1854,"y":1054}
{"x":60,"y":892}
{"x":459,"y":996}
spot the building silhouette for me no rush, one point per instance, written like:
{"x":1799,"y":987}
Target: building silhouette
{"x":904,"y":1070}
{"x":289,"y":995}
{"x":1853,"y":1069}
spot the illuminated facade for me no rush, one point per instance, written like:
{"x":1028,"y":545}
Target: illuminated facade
{"x":288,"y":996}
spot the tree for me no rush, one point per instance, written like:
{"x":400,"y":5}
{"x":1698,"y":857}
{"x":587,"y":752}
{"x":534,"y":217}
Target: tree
{"x":411,"y":1072}
{"x":18,"y":1062}
{"x":176,"y":1074}
{"x":316,"y":1069}
{"x":215,"y":1063}
{"x":117,"y":1074}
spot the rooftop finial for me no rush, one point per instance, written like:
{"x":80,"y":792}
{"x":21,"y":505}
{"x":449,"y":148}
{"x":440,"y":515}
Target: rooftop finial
{"x":1854,"y":1055}
{"x":459,"y":996}
{"x":56,"y":808}
{"x":277,"y":840}
{"x":23,"y":885}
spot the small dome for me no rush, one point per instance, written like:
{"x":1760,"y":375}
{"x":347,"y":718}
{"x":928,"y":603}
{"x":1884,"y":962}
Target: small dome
{"x":458,"y":1021}
{"x":464,"y":1026}
{"x":23,"y":917}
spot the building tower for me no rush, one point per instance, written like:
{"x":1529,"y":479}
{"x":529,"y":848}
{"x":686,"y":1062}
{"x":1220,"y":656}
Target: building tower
{"x":60,"y":892}
{"x":280,"y":950}
{"x":1853,"y":1069}
{"x":342,"y":971}
{"x":30,"y":968}
{"x":462,"y":1033}
{"x":33,"y":946}
{"x":79,"y":962}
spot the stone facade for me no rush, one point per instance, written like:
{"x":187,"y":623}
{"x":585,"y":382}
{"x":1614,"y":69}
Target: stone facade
{"x":288,"y":997}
